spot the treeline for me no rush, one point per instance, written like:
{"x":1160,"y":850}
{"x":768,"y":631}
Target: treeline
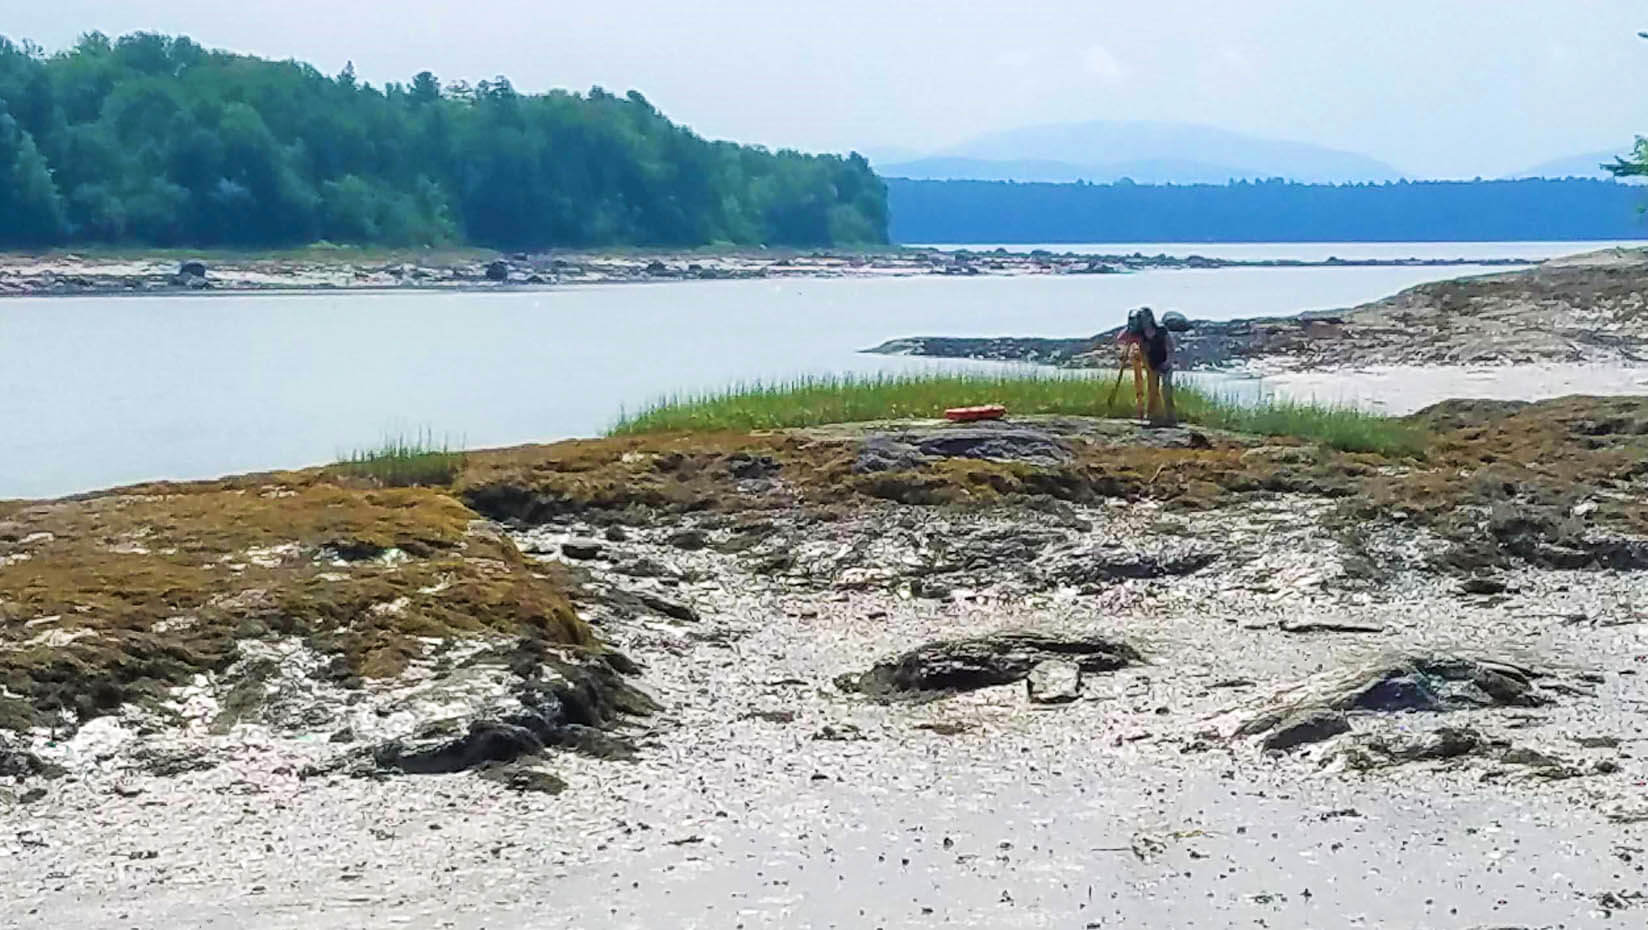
{"x":155,"y":140}
{"x":1266,"y":211}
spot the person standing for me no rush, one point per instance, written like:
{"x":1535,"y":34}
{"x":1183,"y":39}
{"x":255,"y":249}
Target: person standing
{"x":1158,"y":346}
{"x":1131,"y":342}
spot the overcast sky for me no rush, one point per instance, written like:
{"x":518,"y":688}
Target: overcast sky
{"x":1438,"y":88}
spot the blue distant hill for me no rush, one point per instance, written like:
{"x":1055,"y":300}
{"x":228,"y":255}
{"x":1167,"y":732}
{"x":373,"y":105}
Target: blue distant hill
{"x":1269,"y":211}
{"x":1145,"y":152}
{"x":1574,"y":166}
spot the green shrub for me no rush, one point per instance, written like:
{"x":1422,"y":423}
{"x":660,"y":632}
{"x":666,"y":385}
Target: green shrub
{"x":402,"y":461}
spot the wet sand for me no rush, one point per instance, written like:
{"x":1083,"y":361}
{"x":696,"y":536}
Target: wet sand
{"x":1398,"y":390}
{"x":1121,"y":809}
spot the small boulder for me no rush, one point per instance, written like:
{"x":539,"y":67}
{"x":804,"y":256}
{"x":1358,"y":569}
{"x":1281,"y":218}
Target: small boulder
{"x":669,"y":608}
{"x":1304,"y":727}
{"x":498,"y":271}
{"x":582,"y":549}
{"x":1054,"y":682}
{"x":191,"y":270}
{"x":17,"y":763}
{"x":690,"y":540}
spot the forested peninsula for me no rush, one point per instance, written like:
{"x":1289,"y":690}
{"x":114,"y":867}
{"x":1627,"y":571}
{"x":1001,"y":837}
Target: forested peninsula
{"x":156,"y":141}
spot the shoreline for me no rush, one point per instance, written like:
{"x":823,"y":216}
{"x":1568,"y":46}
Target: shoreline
{"x":171,"y":273}
{"x":1579,"y":309}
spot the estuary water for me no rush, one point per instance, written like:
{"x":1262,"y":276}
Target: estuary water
{"x":100,"y":391}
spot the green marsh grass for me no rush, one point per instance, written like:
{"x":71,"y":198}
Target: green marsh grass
{"x":820,"y":400}
{"x":405,"y":461}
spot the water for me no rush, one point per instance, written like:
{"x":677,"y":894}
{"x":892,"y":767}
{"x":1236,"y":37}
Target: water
{"x":101,"y":391}
{"x":1316,"y":251}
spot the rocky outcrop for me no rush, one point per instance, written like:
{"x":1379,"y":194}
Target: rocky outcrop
{"x":902,"y":449}
{"x":1418,"y":682}
{"x":1584,"y":309}
{"x":951,"y":666}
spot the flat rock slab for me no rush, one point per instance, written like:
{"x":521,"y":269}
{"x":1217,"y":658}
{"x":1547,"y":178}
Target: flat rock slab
{"x":951,"y":666}
{"x":1001,"y":441}
{"x":1055,"y":681}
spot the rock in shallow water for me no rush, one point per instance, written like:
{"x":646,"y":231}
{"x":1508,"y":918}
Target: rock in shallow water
{"x":1055,"y":681}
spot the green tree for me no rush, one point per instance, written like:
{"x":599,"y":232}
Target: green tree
{"x":153,"y":139}
{"x":31,"y":210}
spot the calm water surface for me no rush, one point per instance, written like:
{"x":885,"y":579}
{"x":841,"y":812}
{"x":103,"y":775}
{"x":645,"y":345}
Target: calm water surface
{"x":102,"y":391}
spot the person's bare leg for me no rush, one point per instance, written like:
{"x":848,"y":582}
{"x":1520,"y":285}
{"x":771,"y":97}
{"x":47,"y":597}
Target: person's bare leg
{"x":1155,"y":399}
{"x":1138,"y":381}
{"x":1169,"y":415}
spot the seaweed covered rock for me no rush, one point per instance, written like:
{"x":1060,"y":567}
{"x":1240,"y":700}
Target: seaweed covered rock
{"x":116,"y":599}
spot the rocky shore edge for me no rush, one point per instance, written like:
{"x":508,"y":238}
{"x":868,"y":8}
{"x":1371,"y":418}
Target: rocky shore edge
{"x":91,"y":274}
{"x":1587,"y":309}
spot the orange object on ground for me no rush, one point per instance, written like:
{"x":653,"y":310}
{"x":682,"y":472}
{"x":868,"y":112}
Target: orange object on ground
{"x":963,"y":414}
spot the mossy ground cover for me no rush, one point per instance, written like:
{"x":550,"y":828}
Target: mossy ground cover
{"x":113,"y":599}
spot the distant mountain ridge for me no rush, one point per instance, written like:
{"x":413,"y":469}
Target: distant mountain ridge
{"x":1574,"y":166}
{"x":1145,"y":152}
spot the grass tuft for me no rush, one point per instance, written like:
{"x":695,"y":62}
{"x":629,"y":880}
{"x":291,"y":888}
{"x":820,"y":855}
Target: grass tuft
{"x":820,"y":400}
{"x":405,"y":461}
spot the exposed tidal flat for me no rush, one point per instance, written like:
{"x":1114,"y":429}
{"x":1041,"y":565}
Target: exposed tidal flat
{"x":741,"y":664}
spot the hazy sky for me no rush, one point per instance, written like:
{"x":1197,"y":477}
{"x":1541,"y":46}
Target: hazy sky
{"x":1443,"y":88}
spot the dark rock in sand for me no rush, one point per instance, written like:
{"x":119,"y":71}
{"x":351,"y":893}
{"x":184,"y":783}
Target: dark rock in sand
{"x":690,"y":540}
{"x":1330,"y":626}
{"x":840,"y":733}
{"x":582,"y":549}
{"x":1055,"y":681}
{"x":1092,"y":565}
{"x":16,"y":762}
{"x":669,"y":608}
{"x":950,"y":666}
{"x":644,"y":567}
{"x":571,"y":710}
{"x":1417,"y":683}
{"x":1483,"y":585}
{"x":432,"y":752}
{"x":497,"y":271}
{"x":524,"y":779}
{"x":1311,"y":726}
